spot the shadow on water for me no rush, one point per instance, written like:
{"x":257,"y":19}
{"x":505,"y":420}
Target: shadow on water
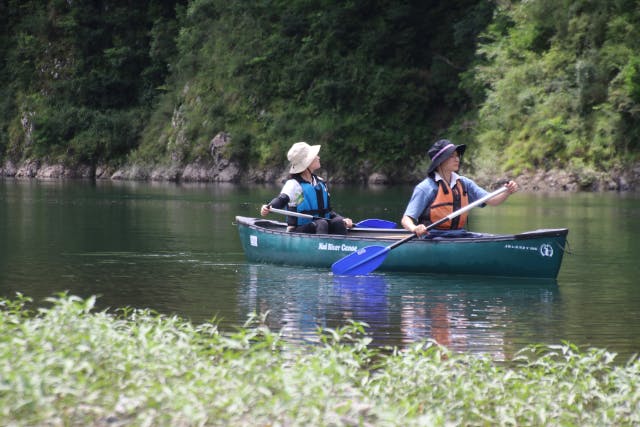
{"x":478,"y":314}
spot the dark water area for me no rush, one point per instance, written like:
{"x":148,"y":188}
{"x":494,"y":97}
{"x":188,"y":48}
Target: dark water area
{"x":175,"y":249}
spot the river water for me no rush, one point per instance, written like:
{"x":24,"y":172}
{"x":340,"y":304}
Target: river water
{"x":174,"y":249}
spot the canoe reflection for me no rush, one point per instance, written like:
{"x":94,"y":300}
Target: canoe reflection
{"x":489,"y":315}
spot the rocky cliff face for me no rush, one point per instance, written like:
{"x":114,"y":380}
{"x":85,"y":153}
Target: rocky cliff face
{"x":216,"y":168}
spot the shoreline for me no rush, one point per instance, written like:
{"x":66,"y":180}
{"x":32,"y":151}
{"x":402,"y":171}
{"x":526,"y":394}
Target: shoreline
{"x":555,"y":180}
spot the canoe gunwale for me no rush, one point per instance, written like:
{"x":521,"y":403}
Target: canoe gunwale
{"x":381,"y":235}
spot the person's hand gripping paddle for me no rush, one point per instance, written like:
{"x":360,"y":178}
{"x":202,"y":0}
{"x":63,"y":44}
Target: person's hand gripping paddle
{"x":367,"y":259}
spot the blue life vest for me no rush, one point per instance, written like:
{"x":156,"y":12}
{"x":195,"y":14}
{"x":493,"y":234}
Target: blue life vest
{"x":315,"y":201}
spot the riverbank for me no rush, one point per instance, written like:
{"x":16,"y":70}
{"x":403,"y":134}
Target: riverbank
{"x":222,"y":170}
{"x":68,"y":364}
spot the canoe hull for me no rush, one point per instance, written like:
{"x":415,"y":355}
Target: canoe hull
{"x":536,"y":254}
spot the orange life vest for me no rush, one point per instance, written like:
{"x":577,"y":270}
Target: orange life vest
{"x":447,"y":201}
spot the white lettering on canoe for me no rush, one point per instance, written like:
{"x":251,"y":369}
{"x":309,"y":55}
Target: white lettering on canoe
{"x":331,"y":247}
{"x":521,"y":247}
{"x":545,"y":249}
{"x":253,"y":240}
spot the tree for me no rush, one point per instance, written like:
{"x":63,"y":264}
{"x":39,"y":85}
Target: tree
{"x":83,"y":75}
{"x":561,"y":84}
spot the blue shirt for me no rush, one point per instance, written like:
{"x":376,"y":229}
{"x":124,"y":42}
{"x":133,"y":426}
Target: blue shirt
{"x":425,"y":193}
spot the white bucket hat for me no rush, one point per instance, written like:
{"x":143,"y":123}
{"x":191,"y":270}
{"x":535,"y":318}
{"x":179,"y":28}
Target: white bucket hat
{"x":301,"y":155}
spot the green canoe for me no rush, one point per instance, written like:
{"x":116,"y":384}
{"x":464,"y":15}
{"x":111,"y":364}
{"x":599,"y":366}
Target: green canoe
{"x":535,"y":254}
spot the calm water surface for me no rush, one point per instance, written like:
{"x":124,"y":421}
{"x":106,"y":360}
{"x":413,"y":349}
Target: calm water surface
{"x":174,"y":249}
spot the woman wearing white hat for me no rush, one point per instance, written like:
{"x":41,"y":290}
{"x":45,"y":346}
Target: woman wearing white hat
{"x":443,"y":192}
{"x":306,"y":193}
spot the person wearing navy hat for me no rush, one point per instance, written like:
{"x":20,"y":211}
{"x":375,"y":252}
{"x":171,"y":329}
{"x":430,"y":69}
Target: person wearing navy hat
{"x":306,"y":193}
{"x":444,"y":191}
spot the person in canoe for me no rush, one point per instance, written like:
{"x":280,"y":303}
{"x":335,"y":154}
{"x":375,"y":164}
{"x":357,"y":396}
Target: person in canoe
{"x":306,"y":193}
{"x":443,"y":191}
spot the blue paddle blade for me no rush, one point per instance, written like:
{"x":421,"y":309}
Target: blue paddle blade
{"x":376,"y":223}
{"x":361,"y":262}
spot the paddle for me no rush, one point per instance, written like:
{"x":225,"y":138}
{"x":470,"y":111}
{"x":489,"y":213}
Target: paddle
{"x":366,"y":223}
{"x":367,"y":259}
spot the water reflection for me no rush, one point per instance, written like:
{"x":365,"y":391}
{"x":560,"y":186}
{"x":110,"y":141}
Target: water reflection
{"x":484,"y":315}
{"x":174,"y":248}
{"x":365,"y":299}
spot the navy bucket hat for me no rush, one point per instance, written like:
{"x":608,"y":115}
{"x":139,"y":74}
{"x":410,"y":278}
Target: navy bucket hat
{"x":440,"y":151}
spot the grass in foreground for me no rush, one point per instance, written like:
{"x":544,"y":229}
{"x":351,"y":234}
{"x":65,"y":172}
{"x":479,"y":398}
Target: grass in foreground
{"x":70,"y":365}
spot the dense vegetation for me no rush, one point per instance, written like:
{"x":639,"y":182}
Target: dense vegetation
{"x":69,"y":365}
{"x":563,"y":81}
{"x":535,"y":84}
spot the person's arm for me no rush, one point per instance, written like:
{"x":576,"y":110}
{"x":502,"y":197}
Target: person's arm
{"x":333,"y":214}
{"x":347,"y":221}
{"x":476,"y":192}
{"x":420,"y":199}
{"x":289,"y":192}
{"x":512,"y":187}
{"x":409,"y":224}
{"x":279,"y":202}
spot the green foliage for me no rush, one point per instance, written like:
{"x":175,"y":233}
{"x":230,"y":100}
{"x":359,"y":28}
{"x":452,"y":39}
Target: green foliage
{"x":631,"y":76}
{"x":562,"y":84}
{"x":354,"y":77}
{"x":542,"y":83}
{"x":69,"y":364}
{"x":84,"y":75}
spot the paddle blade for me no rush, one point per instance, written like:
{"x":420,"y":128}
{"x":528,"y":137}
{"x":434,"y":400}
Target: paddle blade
{"x":361,"y":262}
{"x":376,"y":223}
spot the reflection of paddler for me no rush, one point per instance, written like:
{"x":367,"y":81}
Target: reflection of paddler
{"x":440,"y":327}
